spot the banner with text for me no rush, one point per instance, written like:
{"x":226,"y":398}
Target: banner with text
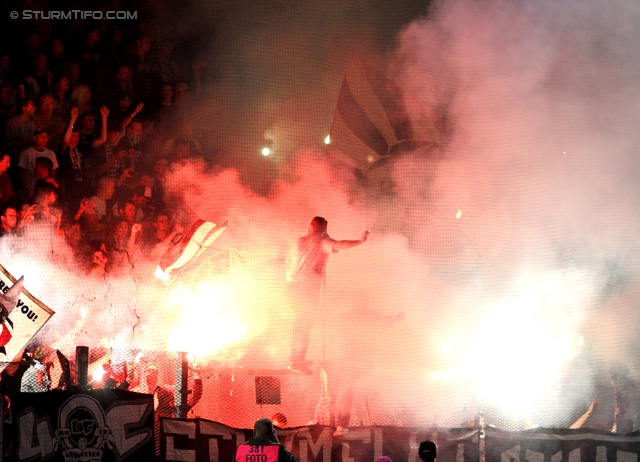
{"x":558,"y":445}
{"x":205,"y":441}
{"x":24,"y":322}
{"x":99,"y":425}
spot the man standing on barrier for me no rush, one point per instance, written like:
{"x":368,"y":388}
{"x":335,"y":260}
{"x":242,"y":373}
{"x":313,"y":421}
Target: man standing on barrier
{"x":264,"y":446}
{"x":306,"y":280}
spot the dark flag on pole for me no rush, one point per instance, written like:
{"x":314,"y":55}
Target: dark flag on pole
{"x":372,"y":124}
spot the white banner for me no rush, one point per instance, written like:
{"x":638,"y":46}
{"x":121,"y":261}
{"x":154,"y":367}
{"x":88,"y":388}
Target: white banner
{"x":24,"y":322}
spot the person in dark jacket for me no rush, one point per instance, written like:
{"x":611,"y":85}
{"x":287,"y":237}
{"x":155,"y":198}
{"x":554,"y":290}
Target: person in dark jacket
{"x":264,"y":446}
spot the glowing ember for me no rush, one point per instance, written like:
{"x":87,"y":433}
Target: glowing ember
{"x":164,"y":277}
{"x":210,"y":320}
{"x":98,"y":374}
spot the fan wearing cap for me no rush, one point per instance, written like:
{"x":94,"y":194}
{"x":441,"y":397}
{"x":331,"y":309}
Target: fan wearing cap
{"x":27,"y":162}
{"x":427,"y":451}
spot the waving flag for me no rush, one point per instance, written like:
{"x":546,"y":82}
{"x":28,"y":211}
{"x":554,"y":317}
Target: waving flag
{"x":371,"y":124}
{"x":195,"y":241}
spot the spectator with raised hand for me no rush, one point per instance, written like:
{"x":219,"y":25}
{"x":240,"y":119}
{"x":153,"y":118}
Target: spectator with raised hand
{"x":132,"y":136}
{"x":88,"y":141}
{"x":26,"y":213}
{"x":121,"y":245}
{"x":110,"y":159}
{"x":71,"y":166}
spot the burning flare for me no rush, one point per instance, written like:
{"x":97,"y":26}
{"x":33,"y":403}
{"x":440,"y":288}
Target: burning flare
{"x":209,"y":322}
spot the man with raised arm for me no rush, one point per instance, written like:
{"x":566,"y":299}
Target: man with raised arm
{"x":306,"y":280}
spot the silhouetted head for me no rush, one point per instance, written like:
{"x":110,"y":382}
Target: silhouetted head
{"x":318,"y":226}
{"x":427,"y":451}
{"x":264,"y":427}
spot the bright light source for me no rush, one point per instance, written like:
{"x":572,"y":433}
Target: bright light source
{"x":266,"y":151}
{"x":327,"y":140}
{"x":98,"y":374}
{"x":459,"y":214}
{"x":161,"y":274}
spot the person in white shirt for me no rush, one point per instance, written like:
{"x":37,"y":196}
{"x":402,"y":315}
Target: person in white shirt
{"x":306,"y":280}
{"x":28,"y":158}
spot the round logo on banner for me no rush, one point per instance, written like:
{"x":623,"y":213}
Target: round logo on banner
{"x":82,"y":430}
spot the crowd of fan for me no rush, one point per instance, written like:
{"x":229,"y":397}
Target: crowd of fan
{"x":91,"y":122}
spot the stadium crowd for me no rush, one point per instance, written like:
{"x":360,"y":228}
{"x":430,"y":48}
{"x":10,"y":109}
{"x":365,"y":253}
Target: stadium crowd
{"x":93,"y":115}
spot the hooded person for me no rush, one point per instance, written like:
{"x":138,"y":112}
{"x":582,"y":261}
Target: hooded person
{"x":264,"y":446}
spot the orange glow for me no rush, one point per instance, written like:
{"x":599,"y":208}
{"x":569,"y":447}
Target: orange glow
{"x":526,"y":340}
{"x":210,"y":320}
{"x":164,"y":277}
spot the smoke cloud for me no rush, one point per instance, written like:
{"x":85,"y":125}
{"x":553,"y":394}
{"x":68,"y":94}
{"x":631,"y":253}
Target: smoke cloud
{"x":500,"y":276}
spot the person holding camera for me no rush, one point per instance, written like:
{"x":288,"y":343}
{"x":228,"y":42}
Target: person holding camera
{"x":264,"y":446}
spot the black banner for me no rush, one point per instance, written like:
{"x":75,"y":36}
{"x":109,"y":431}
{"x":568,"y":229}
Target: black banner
{"x":100,"y":425}
{"x":205,"y":441}
{"x":557,"y":445}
